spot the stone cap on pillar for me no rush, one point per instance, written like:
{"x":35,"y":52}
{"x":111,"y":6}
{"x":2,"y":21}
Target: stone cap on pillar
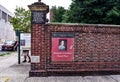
{"x":39,"y":6}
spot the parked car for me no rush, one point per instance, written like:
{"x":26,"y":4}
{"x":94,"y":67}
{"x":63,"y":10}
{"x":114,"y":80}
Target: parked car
{"x":10,"y":45}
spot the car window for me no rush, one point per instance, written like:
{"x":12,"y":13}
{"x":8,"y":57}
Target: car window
{"x":9,"y":42}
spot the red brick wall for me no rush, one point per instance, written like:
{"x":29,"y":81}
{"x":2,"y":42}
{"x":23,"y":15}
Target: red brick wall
{"x":96,"y":49}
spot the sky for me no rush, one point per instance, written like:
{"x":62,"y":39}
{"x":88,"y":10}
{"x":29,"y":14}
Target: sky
{"x":11,"y":4}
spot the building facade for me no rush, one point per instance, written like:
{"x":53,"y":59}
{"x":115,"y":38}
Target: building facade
{"x":6,"y":28}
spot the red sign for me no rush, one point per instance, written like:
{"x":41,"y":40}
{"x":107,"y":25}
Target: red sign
{"x":62,"y":47}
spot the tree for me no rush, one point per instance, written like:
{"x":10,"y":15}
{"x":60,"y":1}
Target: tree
{"x":58,"y":13}
{"x":93,"y":11}
{"x":21,"y":20}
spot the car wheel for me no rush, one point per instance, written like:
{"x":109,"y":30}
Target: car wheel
{"x":14,"y":49}
{"x":2,"y":49}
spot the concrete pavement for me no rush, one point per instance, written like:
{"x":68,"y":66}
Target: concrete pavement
{"x":10,"y":71}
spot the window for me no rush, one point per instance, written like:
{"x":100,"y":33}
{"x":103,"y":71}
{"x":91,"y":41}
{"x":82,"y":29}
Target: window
{"x":4,"y":16}
{"x":9,"y":18}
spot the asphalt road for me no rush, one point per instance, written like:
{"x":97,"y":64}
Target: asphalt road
{"x":0,"y":46}
{"x":2,"y":52}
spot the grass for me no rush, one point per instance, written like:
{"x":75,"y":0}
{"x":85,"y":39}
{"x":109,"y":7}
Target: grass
{"x":8,"y":53}
{"x":2,"y":54}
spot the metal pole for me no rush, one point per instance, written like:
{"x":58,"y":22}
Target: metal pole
{"x":39,"y":0}
{"x":18,"y":47}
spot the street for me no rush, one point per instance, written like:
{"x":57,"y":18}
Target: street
{"x":0,"y":46}
{"x":3,"y":52}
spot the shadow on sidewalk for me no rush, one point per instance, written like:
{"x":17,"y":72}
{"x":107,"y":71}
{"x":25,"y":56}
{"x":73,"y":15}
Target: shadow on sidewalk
{"x":17,"y":70}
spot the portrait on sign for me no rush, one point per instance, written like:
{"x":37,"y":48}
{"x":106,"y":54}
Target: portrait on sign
{"x":62,"y":45}
{"x":22,"y":42}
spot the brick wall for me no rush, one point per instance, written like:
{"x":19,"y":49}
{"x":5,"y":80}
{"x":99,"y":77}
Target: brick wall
{"x":96,"y":48}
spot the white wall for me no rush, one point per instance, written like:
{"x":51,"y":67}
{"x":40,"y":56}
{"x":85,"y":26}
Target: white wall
{"x":6,"y":29}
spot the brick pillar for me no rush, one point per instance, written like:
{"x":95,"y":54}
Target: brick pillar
{"x":38,"y":20}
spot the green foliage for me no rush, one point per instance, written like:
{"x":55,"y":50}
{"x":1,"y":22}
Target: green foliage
{"x":58,"y":13}
{"x":7,"y":53}
{"x":93,"y":11}
{"x":2,"y":54}
{"x":21,"y":20}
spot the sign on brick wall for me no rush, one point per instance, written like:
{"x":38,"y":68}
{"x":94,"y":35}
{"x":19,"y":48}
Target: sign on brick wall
{"x":62,"y":46}
{"x":38,"y":17}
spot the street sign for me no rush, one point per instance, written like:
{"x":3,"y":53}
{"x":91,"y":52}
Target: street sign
{"x":25,"y":41}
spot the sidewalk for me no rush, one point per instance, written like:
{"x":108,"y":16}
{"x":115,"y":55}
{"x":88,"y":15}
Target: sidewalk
{"x":10,"y":71}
